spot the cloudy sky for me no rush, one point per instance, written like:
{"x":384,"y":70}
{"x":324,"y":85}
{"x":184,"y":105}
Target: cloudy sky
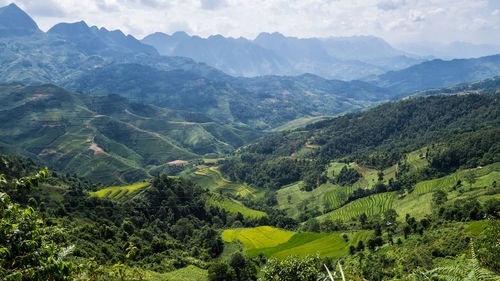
{"x":394,"y":20}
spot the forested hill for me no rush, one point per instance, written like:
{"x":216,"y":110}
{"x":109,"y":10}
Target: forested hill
{"x":398,"y":126}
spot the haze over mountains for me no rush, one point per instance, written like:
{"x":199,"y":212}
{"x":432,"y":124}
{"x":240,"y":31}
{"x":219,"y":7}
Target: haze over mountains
{"x":344,"y":58}
{"x":98,"y":61}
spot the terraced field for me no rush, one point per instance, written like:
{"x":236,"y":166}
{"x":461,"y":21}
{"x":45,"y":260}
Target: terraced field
{"x":120,"y":193}
{"x":484,"y":177}
{"x":257,"y":237}
{"x":292,"y":199}
{"x":233,"y":206}
{"x":418,"y":203}
{"x":335,"y":197}
{"x":371,"y":205}
{"x":416,"y":159}
{"x":212,"y":179}
{"x":274,"y":242}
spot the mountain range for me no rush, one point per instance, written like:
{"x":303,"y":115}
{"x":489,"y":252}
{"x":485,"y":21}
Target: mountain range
{"x":344,"y":58}
{"x":217,"y":112}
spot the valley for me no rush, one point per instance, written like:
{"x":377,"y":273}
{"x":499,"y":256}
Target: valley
{"x":178,"y":157}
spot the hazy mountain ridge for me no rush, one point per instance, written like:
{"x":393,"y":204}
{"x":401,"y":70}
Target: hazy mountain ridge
{"x":344,"y":58}
{"x":453,"y":50}
{"x":438,"y":74}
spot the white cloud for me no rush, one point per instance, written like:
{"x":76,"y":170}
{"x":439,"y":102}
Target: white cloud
{"x":394,"y":20}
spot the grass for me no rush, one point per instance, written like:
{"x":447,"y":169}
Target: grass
{"x":120,"y":192}
{"x":212,"y":179}
{"x":476,"y":227}
{"x":188,"y":273}
{"x":233,"y":206}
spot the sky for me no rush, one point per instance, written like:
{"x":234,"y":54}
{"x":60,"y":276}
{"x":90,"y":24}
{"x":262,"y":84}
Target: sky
{"x":476,"y":21}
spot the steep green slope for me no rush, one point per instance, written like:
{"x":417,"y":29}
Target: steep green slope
{"x":106,"y":138}
{"x":392,"y":127}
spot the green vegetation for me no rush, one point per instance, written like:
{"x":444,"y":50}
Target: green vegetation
{"x":233,"y":206}
{"x":378,"y":137}
{"x":188,"y":273}
{"x":108,"y":139}
{"x":211,"y":178}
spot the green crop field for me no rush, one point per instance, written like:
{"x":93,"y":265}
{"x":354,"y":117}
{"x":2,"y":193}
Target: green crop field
{"x":294,"y":200}
{"x":120,"y":192}
{"x":416,"y":159}
{"x":334,"y":197}
{"x":233,"y":206}
{"x":370,"y":205}
{"x":270,"y":241}
{"x":212,"y":179}
{"x":300,"y":199}
{"x":418,"y":203}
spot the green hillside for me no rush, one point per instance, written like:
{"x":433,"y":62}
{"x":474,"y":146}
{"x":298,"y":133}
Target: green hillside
{"x":418,"y":202}
{"x":107,"y":138}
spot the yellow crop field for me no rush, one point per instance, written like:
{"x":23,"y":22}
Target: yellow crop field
{"x":258,"y":237}
{"x":120,"y":192}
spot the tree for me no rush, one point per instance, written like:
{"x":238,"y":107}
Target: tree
{"x":292,"y":269}
{"x":26,"y":248}
{"x":363,"y":218}
{"x":470,"y":177}
{"x":439,"y":197}
{"x":220,"y":271}
{"x":360,"y":247}
{"x":243,"y":268}
{"x":390,"y":216}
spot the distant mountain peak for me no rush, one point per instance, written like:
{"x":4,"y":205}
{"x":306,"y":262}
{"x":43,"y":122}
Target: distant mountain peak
{"x":69,"y":29}
{"x":15,"y":22}
{"x":274,"y":35}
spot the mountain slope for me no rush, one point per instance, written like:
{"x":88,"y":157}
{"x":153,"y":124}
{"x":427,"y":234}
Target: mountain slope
{"x":15,"y":22}
{"x":106,"y":138}
{"x":263,"y":102}
{"x":390,"y":127}
{"x":438,"y":74}
{"x":94,"y":41}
